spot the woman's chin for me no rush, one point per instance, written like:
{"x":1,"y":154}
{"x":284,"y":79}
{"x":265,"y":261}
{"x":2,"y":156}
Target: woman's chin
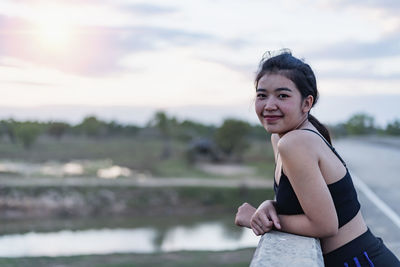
{"x":271,"y":129}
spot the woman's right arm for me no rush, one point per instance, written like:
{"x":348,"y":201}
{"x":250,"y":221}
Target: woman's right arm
{"x":244,"y":214}
{"x":260,"y":220}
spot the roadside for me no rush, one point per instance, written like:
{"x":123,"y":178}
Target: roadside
{"x":375,"y":161}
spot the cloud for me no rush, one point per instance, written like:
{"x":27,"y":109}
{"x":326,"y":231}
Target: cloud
{"x":385,"y":4}
{"x":40,"y":84}
{"x":362,"y":75}
{"x":243,"y":68}
{"x":236,"y":43}
{"x":387,"y":46}
{"x":142,"y":8}
{"x":93,"y":50}
{"x":388,"y":5}
{"x":148,"y":9}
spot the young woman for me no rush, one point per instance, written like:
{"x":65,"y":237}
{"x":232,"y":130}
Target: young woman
{"x":314,"y":192}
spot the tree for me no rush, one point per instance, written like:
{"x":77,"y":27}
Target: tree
{"x":27,"y":133}
{"x":163,"y":124}
{"x":337,"y":130}
{"x":258,"y":132}
{"x":231,"y":137}
{"x":57,"y":129}
{"x":131,"y":130}
{"x":393,"y":128}
{"x":360,"y":123}
{"x":8,"y":128}
{"x":91,"y":126}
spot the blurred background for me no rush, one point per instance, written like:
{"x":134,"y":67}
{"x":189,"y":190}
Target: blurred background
{"x":128,"y":135}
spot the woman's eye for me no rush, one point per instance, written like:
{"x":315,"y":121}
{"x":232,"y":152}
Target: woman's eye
{"x":261,"y":95}
{"x":283,"y":96}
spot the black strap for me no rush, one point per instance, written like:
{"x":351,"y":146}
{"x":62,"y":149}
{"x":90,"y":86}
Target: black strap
{"x":330,"y":146}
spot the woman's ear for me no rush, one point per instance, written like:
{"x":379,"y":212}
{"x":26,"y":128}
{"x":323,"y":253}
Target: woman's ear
{"x":308,"y":103}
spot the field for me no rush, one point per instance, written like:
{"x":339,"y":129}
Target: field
{"x":35,"y":206}
{"x":140,"y":154}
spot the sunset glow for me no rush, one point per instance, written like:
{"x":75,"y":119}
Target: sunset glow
{"x":193,"y":55}
{"x":54,"y":29}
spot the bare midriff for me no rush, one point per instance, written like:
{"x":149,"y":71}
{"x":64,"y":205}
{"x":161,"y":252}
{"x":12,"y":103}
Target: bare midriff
{"x":346,"y":233}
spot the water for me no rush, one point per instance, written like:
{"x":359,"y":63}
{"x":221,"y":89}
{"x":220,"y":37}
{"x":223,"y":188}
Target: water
{"x":212,"y":235}
{"x":98,"y":168}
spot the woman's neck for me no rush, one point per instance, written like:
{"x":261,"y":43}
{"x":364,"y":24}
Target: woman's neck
{"x":305,"y":123}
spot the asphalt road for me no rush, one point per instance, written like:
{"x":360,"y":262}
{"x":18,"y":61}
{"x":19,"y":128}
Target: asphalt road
{"x":376,"y":162}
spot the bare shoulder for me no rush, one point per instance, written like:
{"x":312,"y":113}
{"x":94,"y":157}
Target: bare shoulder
{"x":274,"y":143}
{"x":297,"y":140}
{"x":274,"y":139}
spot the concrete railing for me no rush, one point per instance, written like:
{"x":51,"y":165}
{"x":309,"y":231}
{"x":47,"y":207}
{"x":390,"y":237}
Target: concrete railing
{"x":283,"y":249}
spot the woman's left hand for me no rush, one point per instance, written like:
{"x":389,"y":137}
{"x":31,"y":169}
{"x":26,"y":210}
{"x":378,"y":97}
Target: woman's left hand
{"x":264,"y":219}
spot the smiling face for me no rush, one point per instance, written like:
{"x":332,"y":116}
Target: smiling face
{"x":279,"y":104}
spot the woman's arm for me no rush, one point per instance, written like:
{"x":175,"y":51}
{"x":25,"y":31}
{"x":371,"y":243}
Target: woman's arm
{"x":301,"y":166}
{"x":300,"y":224}
{"x":265,"y":218}
{"x":244,"y":214}
{"x":302,"y":169}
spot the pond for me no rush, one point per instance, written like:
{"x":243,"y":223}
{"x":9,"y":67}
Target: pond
{"x":122,"y":235}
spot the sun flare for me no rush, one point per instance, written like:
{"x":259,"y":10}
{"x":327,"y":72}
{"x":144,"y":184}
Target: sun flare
{"x":53,"y":28}
{"x":54,"y":34}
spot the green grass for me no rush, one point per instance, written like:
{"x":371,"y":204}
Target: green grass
{"x":141,"y":153}
{"x":178,"y":167}
{"x":260,"y":156}
{"x":235,"y":258}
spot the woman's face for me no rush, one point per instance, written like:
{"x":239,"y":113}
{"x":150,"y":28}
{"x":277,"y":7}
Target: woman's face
{"x":279,"y":105}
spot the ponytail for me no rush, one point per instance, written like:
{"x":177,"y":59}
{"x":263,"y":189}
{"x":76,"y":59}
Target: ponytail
{"x":320,"y":127}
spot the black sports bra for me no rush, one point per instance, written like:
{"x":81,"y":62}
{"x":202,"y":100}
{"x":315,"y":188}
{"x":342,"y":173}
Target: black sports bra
{"x":342,"y":191}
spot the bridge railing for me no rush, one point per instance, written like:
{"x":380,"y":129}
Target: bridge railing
{"x":283,"y":249}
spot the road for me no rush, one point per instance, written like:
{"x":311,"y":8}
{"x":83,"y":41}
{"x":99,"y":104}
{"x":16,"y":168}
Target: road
{"x":376,"y":162}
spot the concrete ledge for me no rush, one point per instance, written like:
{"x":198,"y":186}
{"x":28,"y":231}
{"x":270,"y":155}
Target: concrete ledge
{"x":283,"y":249}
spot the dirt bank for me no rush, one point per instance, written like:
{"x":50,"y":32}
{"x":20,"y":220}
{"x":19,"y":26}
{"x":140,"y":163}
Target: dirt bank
{"x":89,"y":199}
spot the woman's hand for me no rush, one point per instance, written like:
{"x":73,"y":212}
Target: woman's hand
{"x":244,"y":214}
{"x":264,"y":218}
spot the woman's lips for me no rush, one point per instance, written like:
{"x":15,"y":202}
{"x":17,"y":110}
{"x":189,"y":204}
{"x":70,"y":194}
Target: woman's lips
{"x":272,"y":118}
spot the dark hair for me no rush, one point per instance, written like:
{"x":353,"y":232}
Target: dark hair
{"x":299,"y":73}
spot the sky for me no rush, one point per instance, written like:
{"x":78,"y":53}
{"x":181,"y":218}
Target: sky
{"x":195,"y":59}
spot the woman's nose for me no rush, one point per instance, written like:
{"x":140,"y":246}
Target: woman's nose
{"x":270,"y":104}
